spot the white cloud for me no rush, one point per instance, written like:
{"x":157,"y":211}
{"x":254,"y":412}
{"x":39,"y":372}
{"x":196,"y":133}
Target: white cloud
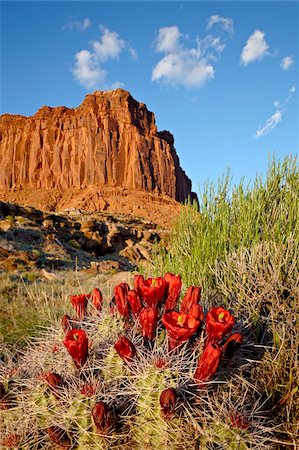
{"x":255,"y":48}
{"x":88,"y":68}
{"x":168,"y":39}
{"x":182,"y":68}
{"x":270,"y":124}
{"x":110,"y":45}
{"x":77,"y":25}
{"x":225,"y":23}
{"x":181,"y":65}
{"x":287,"y":62}
{"x":133,"y":52}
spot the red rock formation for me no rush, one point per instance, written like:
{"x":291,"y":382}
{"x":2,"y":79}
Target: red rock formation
{"x":110,"y":140}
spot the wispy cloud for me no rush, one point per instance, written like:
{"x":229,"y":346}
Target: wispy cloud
{"x":225,"y":23}
{"x":182,"y":65}
{"x":255,"y":49}
{"x":133,"y":52}
{"x":276,"y":117}
{"x":287,"y":62}
{"x":88,"y":68}
{"x":270,"y":124}
{"x":77,"y":25}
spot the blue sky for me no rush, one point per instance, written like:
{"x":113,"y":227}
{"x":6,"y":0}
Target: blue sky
{"x":221,"y":76}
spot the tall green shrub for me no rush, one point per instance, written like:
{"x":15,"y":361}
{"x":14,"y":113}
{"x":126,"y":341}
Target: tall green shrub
{"x":231,"y":217}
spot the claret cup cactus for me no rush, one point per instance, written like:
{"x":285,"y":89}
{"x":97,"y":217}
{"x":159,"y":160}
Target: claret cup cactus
{"x":134,"y":371}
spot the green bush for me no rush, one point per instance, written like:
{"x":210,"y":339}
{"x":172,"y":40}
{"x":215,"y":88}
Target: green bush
{"x":230,"y":218}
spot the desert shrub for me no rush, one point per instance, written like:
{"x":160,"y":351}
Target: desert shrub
{"x":263,"y":283}
{"x":232,"y":217}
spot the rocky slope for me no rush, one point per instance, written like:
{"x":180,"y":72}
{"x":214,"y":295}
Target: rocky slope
{"x":96,"y":242}
{"x":109,"y":143}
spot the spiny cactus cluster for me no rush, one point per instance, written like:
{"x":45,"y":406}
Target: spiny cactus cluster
{"x":135,"y":373}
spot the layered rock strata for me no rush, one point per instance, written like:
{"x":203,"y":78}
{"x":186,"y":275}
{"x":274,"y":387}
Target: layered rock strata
{"x":109,"y":141}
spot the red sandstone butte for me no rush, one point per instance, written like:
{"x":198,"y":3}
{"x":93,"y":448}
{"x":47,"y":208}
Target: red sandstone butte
{"x":109,"y":143}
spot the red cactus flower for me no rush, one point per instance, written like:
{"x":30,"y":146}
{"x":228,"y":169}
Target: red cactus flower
{"x":192,"y":297}
{"x":76,"y":343}
{"x":59,"y":436}
{"x":180,"y":327}
{"x":102,"y":417}
{"x":66,"y":323}
{"x":232,"y":344}
{"x":149,"y":320}
{"x":174,"y":286}
{"x":239,"y":421}
{"x":79,"y":302}
{"x":197,"y":312}
{"x":120,"y":294}
{"x":208,"y":363}
{"x":168,"y":400}
{"x":134,"y":302}
{"x":125,"y":348}
{"x":151,"y":290}
{"x":97,"y":299}
{"x":11,"y":441}
{"x":219,"y":323}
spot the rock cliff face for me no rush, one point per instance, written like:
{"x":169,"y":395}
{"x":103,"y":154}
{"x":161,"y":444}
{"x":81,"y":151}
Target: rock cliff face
{"x":109,"y":141}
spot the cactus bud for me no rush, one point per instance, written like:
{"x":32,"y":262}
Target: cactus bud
{"x":192,"y":297}
{"x":135,"y":302}
{"x":66,"y":323}
{"x":149,"y":320}
{"x":120,"y":294}
{"x":54,"y":381}
{"x":59,"y":436}
{"x":97,"y":299}
{"x":238,"y":421}
{"x":125,"y":348}
{"x":174,"y":286}
{"x":101,"y":415}
{"x":79,"y":302}
{"x":168,"y":400}
{"x":208,"y":363}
